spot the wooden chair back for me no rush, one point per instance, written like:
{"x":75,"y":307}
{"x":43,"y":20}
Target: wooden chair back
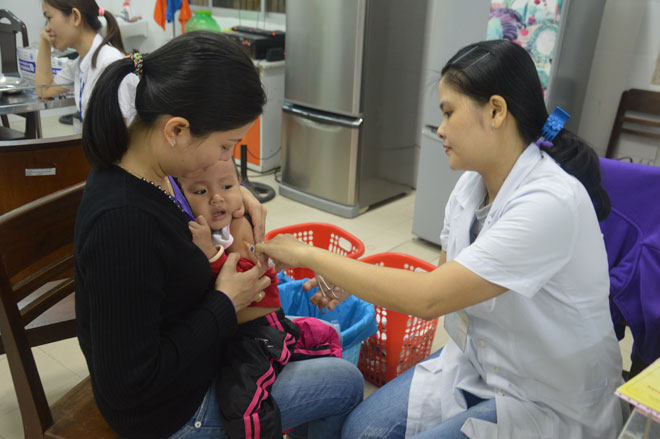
{"x":31,"y":309}
{"x":10,"y":26}
{"x":30,"y":169}
{"x":643,"y":103}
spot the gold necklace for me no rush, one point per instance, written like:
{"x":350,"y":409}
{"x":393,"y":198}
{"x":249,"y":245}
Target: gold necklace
{"x":169,"y":191}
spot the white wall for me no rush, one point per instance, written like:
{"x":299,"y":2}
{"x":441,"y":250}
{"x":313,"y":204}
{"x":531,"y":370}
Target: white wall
{"x":626,"y":53}
{"x":30,"y":12}
{"x":156,"y":36}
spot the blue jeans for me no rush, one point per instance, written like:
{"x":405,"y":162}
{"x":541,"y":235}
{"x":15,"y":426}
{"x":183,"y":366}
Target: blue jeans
{"x":383,"y":415}
{"x":314,"y":396}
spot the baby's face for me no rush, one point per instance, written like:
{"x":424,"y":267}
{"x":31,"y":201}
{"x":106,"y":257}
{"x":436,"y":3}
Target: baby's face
{"x":215,"y":194}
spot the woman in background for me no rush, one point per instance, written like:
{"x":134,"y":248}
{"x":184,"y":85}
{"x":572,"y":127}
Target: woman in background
{"x":75,"y":24}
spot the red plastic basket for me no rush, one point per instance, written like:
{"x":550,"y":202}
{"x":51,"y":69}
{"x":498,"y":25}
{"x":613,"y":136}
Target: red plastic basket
{"x":401,"y":340}
{"x":322,"y":235}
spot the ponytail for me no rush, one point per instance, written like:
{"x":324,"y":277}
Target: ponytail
{"x":112,"y":36}
{"x":105,"y":136}
{"x":91,"y":12}
{"x":502,"y":67}
{"x":581,"y":161}
{"x":203,"y":77}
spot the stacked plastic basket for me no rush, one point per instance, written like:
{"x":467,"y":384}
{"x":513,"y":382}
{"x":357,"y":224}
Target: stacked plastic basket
{"x":355,"y":317}
{"x":401,"y":340}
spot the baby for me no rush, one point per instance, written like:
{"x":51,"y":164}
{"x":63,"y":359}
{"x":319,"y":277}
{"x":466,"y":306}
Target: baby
{"x":265,"y":340}
{"x":221,"y":228}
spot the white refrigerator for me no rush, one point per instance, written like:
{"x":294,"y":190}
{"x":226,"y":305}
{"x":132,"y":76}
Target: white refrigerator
{"x":560,"y":35}
{"x":350,"y":135}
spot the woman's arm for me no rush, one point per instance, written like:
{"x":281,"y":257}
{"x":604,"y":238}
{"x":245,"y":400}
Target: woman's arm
{"x":123,"y":259}
{"x":321,"y":301}
{"x":44,"y":73}
{"x":530,"y":242}
{"x":448,"y":288}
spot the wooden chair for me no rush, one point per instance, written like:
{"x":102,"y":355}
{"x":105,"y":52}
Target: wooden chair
{"x":30,"y":169}
{"x":10,"y":26}
{"x":639,"y":102}
{"x":39,"y":309}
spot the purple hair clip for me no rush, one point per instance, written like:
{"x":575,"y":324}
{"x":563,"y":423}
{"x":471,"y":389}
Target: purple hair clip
{"x":553,"y":125}
{"x":542,"y":142}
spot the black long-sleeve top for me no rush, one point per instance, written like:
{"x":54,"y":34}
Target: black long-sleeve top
{"x":150,"y":323}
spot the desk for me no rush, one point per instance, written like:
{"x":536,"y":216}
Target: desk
{"x":27,"y":101}
{"x":29,"y":104}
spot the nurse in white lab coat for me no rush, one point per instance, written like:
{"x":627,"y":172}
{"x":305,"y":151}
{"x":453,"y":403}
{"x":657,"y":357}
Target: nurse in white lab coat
{"x":522,"y":281}
{"x":75,"y":23}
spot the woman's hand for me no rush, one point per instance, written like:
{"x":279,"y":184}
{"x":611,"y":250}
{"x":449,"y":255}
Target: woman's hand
{"x":241,"y":288}
{"x":43,"y":74}
{"x":321,"y":300}
{"x":45,"y":37}
{"x":286,"y":250}
{"x":257,"y":213}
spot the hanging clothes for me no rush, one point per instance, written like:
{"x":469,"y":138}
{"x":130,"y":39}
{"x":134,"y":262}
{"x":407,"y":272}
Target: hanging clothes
{"x":159,"y":12}
{"x":165,"y":10}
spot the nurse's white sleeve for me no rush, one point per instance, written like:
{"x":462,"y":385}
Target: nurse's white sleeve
{"x":528,"y":244}
{"x":444,"y":234}
{"x":66,"y":75}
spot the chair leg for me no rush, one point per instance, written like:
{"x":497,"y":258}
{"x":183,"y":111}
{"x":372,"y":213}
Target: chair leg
{"x":32,"y":125}
{"x":5,"y":121}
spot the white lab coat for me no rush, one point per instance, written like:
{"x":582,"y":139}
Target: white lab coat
{"x":545,"y":349}
{"x":84,"y":77}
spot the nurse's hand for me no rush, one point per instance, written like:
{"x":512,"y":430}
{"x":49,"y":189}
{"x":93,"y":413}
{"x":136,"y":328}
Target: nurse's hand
{"x":257,"y":213}
{"x":286,"y":250}
{"x":321,"y":300}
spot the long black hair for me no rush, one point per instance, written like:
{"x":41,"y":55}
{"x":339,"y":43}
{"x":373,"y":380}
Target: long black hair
{"x":502,"y":67}
{"x":201,"y":76}
{"x":89,"y":10}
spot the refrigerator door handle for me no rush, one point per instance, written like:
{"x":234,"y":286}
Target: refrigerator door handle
{"x":431,"y":131}
{"x":431,"y":128}
{"x":323,"y":117}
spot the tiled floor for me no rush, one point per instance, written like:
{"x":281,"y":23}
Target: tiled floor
{"x":382,"y":229}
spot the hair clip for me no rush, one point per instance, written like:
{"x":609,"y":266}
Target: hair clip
{"x":470,"y":50}
{"x":553,"y":125}
{"x":467,"y":52}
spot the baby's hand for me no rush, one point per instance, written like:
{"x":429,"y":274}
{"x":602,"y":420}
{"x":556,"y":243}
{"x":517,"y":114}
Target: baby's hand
{"x":201,"y":233}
